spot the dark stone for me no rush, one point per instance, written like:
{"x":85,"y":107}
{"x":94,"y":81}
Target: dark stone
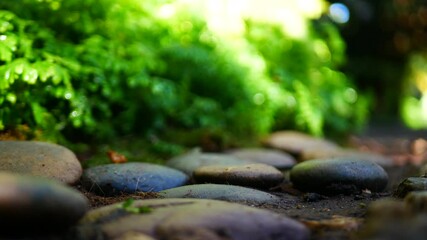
{"x":338,"y":175}
{"x":31,"y":204}
{"x":112,"y":179}
{"x":411,"y":184}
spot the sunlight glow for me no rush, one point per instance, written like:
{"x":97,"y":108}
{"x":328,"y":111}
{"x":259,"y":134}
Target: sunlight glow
{"x":226,"y":17}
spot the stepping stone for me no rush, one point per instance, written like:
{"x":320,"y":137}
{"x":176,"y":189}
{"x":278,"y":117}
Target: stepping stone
{"x":410,"y":185}
{"x":113,"y":179}
{"x":296,"y":142}
{"x":194,"y":159}
{"x":228,"y":193}
{"x":189,"y":219}
{"x":250,"y":175}
{"x":334,"y":153}
{"x":338,"y":175}
{"x":40,"y":159}
{"x":416,"y":202}
{"x":33,"y":204}
{"x":272,"y":157}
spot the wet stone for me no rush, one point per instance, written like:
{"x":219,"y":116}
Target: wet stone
{"x":272,"y":157}
{"x":190,"y":219}
{"x":112,"y":179}
{"x":228,"y":193}
{"x":194,"y":159}
{"x":250,"y":175}
{"x":296,"y":142}
{"x":33,"y":204}
{"x":40,"y":159}
{"x":338,"y":175}
{"x":410,"y":185}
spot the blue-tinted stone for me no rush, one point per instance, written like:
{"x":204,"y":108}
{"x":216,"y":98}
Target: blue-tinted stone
{"x":113,"y":179}
{"x":338,"y":175}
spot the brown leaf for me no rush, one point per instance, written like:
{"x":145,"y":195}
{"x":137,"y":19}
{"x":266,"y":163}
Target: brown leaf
{"x":116,"y":157}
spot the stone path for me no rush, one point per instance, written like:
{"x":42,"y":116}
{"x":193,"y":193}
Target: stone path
{"x":257,"y":189}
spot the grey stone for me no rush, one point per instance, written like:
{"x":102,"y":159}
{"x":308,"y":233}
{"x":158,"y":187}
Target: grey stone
{"x":411,"y":184}
{"x":272,"y":157}
{"x":338,"y":175}
{"x":29,"y":203}
{"x":131,"y":177}
{"x":221,"y":192}
{"x":311,"y":154}
{"x":297,"y":142}
{"x":40,"y":159}
{"x":170,"y":219}
{"x":188,"y":162}
{"x":250,"y":175}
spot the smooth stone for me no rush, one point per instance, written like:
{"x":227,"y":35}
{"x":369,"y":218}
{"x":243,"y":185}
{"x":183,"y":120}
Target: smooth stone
{"x":272,"y":157}
{"x":112,"y":179}
{"x":36,"y":204}
{"x":338,"y":175}
{"x":296,"y":142}
{"x":228,"y":193}
{"x":250,"y":175}
{"x":194,"y":159}
{"x":334,"y":153}
{"x":410,"y":185}
{"x":40,"y":159}
{"x":190,"y":219}
{"x":416,"y":202}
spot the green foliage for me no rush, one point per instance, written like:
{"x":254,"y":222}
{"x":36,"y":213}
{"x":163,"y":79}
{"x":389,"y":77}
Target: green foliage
{"x":97,"y":69}
{"x":128,"y":207}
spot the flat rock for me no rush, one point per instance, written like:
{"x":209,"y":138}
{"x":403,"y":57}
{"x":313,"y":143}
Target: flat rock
{"x":228,"y":193}
{"x":296,"y":142}
{"x":36,"y":204}
{"x":112,"y":179}
{"x":311,"y":154}
{"x":272,"y":157}
{"x":338,"y":175}
{"x":188,"y":162}
{"x":250,"y":175}
{"x":40,"y":159}
{"x":411,"y":184}
{"x":170,"y":219}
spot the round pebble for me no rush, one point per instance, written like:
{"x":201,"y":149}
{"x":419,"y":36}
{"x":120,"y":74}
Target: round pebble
{"x":40,"y":159}
{"x":417,"y":201}
{"x":296,"y":142}
{"x":411,"y":184}
{"x":338,"y":175}
{"x":272,"y":157}
{"x":334,"y":153}
{"x":194,"y":159}
{"x":29,"y":203}
{"x":251,"y":175}
{"x":228,"y":193}
{"x":112,"y":179}
{"x":190,"y":219}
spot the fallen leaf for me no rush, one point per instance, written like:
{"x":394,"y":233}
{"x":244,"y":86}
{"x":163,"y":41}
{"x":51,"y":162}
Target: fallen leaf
{"x":116,"y":157}
{"x":336,"y":222}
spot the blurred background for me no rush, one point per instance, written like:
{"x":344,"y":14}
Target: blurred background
{"x":219,"y":72}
